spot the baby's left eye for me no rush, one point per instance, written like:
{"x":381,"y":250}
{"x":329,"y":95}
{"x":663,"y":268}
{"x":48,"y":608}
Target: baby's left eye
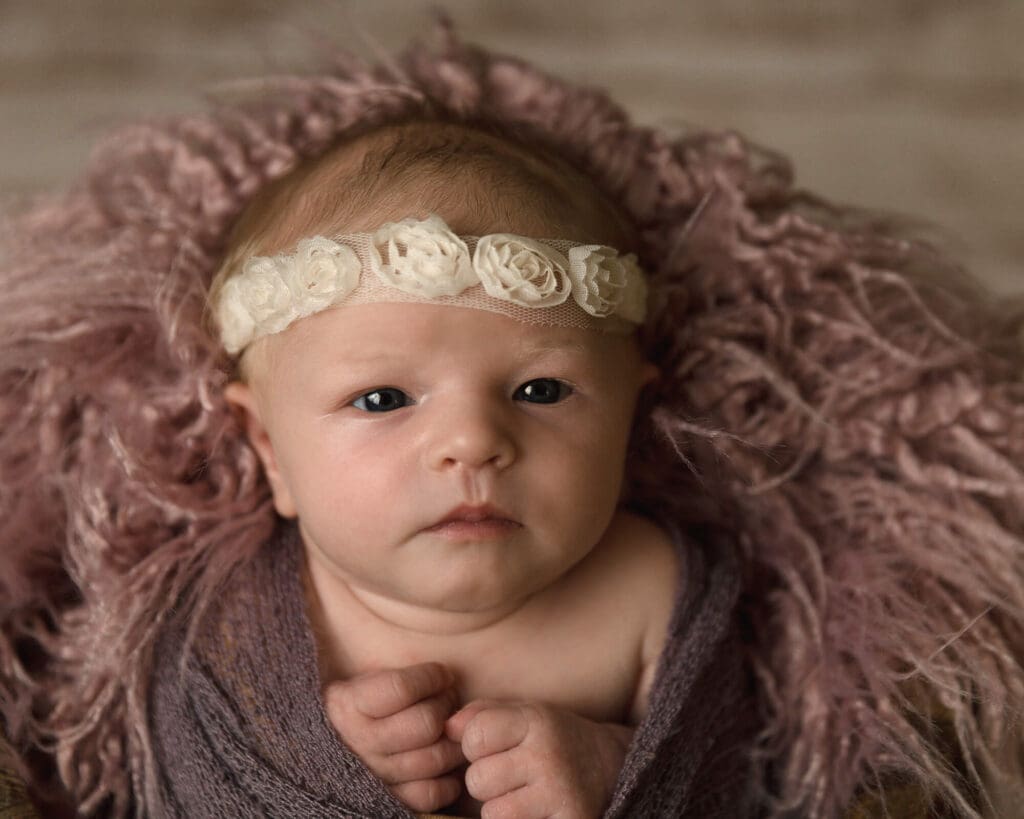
{"x":543,"y":391}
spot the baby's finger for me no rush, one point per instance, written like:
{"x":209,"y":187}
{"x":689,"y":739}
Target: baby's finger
{"x":383,"y":693}
{"x":497,"y":774}
{"x":428,"y":795}
{"x":422,"y":763}
{"x":494,"y":730}
{"x":417,"y":726}
{"x":522,"y":803}
{"x":457,"y":722}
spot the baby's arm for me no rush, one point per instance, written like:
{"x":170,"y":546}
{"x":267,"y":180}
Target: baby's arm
{"x":394,"y":721}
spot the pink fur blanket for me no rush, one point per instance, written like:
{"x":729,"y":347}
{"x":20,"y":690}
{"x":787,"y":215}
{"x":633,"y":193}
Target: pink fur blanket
{"x":838,"y":401}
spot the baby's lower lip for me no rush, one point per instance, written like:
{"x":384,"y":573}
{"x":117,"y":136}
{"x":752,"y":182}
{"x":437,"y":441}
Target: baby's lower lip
{"x":486,"y":529}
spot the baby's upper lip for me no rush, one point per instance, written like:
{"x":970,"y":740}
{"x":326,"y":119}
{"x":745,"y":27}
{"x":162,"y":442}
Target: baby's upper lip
{"x":474,"y":514}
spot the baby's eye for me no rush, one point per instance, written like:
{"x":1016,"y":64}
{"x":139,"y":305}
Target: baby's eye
{"x":384,"y":399}
{"x":543,"y":391}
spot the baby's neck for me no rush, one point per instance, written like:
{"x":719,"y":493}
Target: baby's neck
{"x":357,"y":630}
{"x":338,"y":602}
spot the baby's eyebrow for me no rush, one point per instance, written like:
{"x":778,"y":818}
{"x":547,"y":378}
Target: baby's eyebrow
{"x":351,"y":357}
{"x":538,"y":349}
{"x":526,"y":351}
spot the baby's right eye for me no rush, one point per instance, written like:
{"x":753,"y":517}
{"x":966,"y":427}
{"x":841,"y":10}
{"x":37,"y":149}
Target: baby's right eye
{"x":384,"y":399}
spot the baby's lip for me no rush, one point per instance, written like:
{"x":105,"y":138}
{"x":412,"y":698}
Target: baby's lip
{"x":474,"y":514}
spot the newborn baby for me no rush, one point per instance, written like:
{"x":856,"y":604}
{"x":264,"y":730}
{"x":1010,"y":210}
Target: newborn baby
{"x":454,"y":461}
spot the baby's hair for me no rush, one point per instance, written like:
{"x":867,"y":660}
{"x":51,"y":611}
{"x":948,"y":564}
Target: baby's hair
{"x":853,"y":429}
{"x":425,"y":157}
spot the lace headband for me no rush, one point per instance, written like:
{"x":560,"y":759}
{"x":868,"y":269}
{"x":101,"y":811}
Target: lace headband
{"x":413,"y":260}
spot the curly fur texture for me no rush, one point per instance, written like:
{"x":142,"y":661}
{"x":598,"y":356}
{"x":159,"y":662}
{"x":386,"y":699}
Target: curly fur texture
{"x":834,"y":398}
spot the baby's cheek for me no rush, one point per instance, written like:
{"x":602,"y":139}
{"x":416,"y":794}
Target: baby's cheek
{"x":607,"y":471}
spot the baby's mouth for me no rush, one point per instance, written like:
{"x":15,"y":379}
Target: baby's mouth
{"x":466,"y":522}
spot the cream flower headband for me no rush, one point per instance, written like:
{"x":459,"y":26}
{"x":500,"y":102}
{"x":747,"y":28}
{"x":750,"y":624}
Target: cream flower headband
{"x":423,"y":260}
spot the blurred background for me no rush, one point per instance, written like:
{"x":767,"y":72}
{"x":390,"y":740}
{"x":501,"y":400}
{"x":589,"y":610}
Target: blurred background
{"x":912,"y":106}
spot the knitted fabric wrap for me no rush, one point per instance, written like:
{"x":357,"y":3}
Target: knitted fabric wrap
{"x":835,"y":399}
{"x":240,"y":730}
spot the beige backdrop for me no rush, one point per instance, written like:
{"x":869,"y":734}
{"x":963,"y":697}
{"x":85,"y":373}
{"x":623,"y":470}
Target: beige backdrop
{"x":911,"y":105}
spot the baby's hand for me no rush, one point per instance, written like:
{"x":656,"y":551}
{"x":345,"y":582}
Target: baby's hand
{"x":394,"y":721}
{"x":529,"y":760}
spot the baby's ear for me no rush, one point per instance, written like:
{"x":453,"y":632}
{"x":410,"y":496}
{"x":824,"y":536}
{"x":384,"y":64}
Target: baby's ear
{"x":242,"y":400}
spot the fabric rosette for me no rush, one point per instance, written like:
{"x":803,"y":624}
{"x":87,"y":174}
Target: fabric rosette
{"x":521,"y":270}
{"x":603,"y":282}
{"x":321,"y":273}
{"x":234,"y":320}
{"x":633,"y":306}
{"x":424,"y":258}
{"x":259,"y":297}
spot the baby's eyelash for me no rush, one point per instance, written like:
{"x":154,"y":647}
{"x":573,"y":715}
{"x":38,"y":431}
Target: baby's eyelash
{"x":382,"y":399}
{"x":543,"y":391}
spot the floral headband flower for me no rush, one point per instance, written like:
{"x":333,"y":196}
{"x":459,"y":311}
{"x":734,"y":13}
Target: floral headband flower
{"x":541,"y":281}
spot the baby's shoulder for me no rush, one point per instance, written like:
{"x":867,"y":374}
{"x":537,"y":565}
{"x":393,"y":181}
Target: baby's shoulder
{"x":651,"y":569}
{"x":626,"y":585}
{"x":635,"y":571}
{"x":640,"y":551}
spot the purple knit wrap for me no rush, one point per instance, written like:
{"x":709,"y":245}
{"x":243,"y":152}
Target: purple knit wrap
{"x":239,"y":728}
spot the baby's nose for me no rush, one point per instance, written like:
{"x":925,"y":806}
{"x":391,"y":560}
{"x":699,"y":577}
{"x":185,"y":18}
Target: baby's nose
{"x":471,"y":434}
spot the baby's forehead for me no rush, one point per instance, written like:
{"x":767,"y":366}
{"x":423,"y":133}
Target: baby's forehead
{"x":425,"y":329}
{"x":367,"y":335}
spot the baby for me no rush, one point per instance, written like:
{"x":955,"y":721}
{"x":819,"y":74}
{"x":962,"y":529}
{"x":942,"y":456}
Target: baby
{"x":453,"y":454}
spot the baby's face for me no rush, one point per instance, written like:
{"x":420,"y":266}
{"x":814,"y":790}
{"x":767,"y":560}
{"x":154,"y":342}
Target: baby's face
{"x":442,"y":458}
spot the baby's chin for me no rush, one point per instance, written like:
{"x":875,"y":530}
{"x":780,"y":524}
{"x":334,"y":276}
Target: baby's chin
{"x":471,"y":606}
{"x":454,"y":605}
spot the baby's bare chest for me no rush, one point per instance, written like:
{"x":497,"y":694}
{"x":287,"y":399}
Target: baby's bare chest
{"x":583,"y":658}
{"x":591,"y":668}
